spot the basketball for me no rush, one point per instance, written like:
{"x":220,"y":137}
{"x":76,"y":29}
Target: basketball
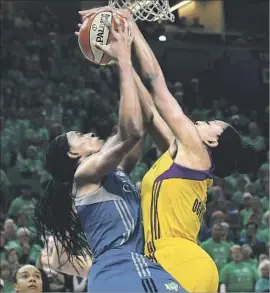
{"x":94,"y":29}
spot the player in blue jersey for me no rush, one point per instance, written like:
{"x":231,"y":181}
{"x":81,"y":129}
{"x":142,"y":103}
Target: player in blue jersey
{"x":91,"y":207}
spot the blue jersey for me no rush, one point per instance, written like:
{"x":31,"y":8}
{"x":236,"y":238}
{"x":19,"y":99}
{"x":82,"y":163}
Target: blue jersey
{"x":111,"y":217}
{"x":112,"y":221}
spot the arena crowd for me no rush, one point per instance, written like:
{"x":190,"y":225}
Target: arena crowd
{"x":49,"y":88}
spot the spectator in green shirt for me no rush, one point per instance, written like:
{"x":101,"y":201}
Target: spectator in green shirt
{"x":28,"y":252}
{"x":13,"y":259}
{"x":262,"y":284}
{"x":31,"y":164}
{"x":4,"y":190}
{"x":5,"y":275}
{"x":237,"y":276}
{"x":263,"y":234}
{"x":3,"y":242}
{"x":10,"y":229}
{"x":246,"y":212}
{"x":265,"y":198}
{"x":247,"y":252}
{"x":219,"y":250}
{"x":258,"y":246}
{"x":251,"y":188}
{"x":238,"y":195}
{"x":226,"y":233}
{"x":256,"y":207}
{"x":254,"y":138}
{"x":23,"y":203}
{"x":263,"y":175}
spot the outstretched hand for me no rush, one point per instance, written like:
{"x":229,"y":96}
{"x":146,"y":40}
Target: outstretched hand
{"x":126,"y":13}
{"x":120,"y":47}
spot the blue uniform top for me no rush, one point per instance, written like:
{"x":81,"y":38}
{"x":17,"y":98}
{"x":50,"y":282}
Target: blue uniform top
{"x":112,"y":221}
{"x":111,"y":217}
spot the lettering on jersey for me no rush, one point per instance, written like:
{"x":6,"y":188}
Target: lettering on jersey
{"x":171,"y":286}
{"x":127,"y":186}
{"x":199,"y":208}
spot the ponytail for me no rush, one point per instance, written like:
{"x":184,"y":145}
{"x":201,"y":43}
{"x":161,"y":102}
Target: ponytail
{"x":247,"y":160}
{"x":231,"y":155}
{"x":54,"y":214}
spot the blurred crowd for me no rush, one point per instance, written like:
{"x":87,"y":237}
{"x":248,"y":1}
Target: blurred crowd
{"x":48,"y":88}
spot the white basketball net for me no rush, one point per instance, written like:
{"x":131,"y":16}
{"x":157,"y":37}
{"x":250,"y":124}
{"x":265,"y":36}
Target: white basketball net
{"x":146,"y":10}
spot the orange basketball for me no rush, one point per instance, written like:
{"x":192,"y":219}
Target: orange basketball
{"x":94,"y":29}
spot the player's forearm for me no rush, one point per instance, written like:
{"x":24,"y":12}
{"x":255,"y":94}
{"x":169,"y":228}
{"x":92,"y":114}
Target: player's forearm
{"x":149,"y":65}
{"x":154,"y":124}
{"x":130,"y":113}
{"x":145,"y":100}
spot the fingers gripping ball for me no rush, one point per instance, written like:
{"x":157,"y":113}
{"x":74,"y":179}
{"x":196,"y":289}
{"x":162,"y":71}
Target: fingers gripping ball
{"x":94,"y":28}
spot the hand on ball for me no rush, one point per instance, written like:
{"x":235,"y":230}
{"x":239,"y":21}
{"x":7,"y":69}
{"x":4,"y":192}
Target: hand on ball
{"x":120,"y":48}
{"x":126,"y":13}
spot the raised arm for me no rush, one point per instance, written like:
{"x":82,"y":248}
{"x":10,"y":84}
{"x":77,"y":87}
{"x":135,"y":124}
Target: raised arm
{"x":153,"y":124}
{"x":130,"y":129}
{"x":181,"y":126}
{"x":157,"y":127}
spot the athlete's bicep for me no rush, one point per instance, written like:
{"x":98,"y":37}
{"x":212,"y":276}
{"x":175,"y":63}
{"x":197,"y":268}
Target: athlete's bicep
{"x":98,"y":165}
{"x":131,"y":159}
{"x":160,"y":132}
{"x":181,"y":126}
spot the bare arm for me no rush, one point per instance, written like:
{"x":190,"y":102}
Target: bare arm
{"x":153,"y":123}
{"x":75,"y":268}
{"x":129,"y":162}
{"x":130,"y":129}
{"x":181,"y":126}
{"x":157,"y":127}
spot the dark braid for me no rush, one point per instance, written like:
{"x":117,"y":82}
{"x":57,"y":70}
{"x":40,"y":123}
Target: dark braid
{"x":54,"y":212}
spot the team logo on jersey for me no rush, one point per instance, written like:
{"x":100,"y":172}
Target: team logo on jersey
{"x":171,"y":286}
{"x":121,"y":174}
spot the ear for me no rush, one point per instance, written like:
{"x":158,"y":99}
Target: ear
{"x":73,"y":155}
{"x":212,"y":144}
{"x":15,"y":287}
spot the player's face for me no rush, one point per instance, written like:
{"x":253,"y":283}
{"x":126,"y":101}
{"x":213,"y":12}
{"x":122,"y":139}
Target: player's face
{"x":84,"y":144}
{"x":28,"y":280}
{"x":210,"y":131}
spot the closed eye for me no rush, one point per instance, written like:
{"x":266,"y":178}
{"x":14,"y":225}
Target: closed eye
{"x":79,"y":133}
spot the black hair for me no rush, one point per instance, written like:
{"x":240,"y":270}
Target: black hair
{"x":231,"y":155}
{"x":14,"y":277}
{"x":54,"y":212}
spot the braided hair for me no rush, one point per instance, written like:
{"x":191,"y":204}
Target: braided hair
{"x":54,"y":213}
